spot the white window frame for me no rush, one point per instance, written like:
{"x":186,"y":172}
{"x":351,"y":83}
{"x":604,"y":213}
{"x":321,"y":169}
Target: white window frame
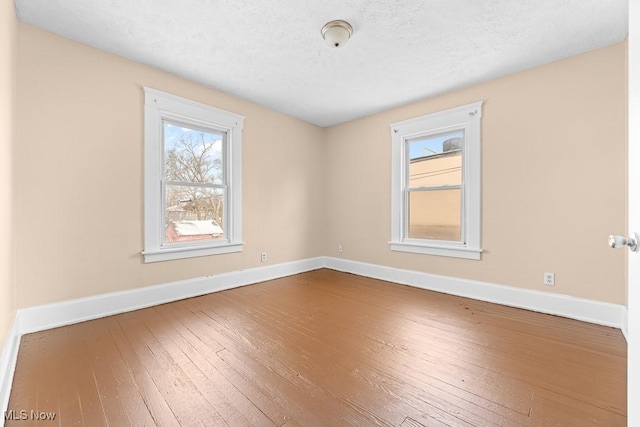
{"x":466,"y":118}
{"x":160,"y":106}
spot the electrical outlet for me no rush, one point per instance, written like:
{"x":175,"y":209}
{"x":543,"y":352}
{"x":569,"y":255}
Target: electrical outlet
{"x":340,"y":248}
{"x":549,"y":279}
{"x":263,"y":257}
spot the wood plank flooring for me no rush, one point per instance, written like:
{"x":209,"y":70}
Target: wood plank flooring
{"x":323,"y":349}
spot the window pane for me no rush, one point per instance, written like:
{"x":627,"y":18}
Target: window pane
{"x":436,"y":160}
{"x":192,"y":155}
{"x":435,"y":214}
{"x":193,"y":213}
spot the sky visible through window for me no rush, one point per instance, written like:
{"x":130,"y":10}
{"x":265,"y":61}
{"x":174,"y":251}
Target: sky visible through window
{"x":430,"y":145}
{"x":173,"y":133}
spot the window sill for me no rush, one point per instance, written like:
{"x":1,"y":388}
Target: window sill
{"x":189,"y":252}
{"x":438,"y":250}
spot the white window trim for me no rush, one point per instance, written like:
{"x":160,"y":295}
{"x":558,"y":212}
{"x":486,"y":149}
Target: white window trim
{"x":159,"y":106}
{"x":465,"y":117}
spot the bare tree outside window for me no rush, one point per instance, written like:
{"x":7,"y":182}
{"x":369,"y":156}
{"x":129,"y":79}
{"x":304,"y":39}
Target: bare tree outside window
{"x":194,"y":183}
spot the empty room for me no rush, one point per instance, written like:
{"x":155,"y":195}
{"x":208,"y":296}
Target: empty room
{"x":365,"y":213}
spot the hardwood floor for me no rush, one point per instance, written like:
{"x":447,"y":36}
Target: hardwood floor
{"x":324,"y":349}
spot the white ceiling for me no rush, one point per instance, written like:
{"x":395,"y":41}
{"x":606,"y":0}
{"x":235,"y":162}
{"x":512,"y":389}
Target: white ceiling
{"x":271,"y":52}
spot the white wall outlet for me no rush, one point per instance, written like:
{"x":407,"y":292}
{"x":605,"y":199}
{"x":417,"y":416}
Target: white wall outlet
{"x":549,"y":279}
{"x":263,"y":257}
{"x":340,"y":248}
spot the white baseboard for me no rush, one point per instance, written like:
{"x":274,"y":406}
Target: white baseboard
{"x":601,"y":313}
{"x":625,"y":325}
{"x":8,"y":359}
{"x":49,"y":316}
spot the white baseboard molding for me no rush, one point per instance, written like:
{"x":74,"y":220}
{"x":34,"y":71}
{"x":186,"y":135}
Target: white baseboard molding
{"x":8,"y":359}
{"x":49,"y":316}
{"x":601,"y":313}
{"x":34,"y":319}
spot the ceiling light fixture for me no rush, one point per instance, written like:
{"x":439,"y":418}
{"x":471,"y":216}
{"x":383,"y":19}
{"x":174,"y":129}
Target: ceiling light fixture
{"x":337,"y":33}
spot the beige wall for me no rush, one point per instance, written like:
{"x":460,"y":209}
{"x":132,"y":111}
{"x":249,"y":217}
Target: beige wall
{"x":8,"y":40}
{"x":553,"y":170}
{"x":557,"y":132}
{"x":79,"y":171}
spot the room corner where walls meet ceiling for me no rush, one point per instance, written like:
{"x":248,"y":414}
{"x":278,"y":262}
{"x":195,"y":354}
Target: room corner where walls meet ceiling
{"x":400,"y":51}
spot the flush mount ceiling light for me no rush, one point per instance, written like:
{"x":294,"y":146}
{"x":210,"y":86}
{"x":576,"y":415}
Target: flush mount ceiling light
{"x":337,"y":33}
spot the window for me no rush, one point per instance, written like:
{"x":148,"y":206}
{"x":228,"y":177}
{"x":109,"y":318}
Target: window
{"x":193,"y":199}
{"x":436,"y":183}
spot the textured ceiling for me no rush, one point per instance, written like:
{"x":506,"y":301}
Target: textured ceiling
{"x":271,"y":52}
